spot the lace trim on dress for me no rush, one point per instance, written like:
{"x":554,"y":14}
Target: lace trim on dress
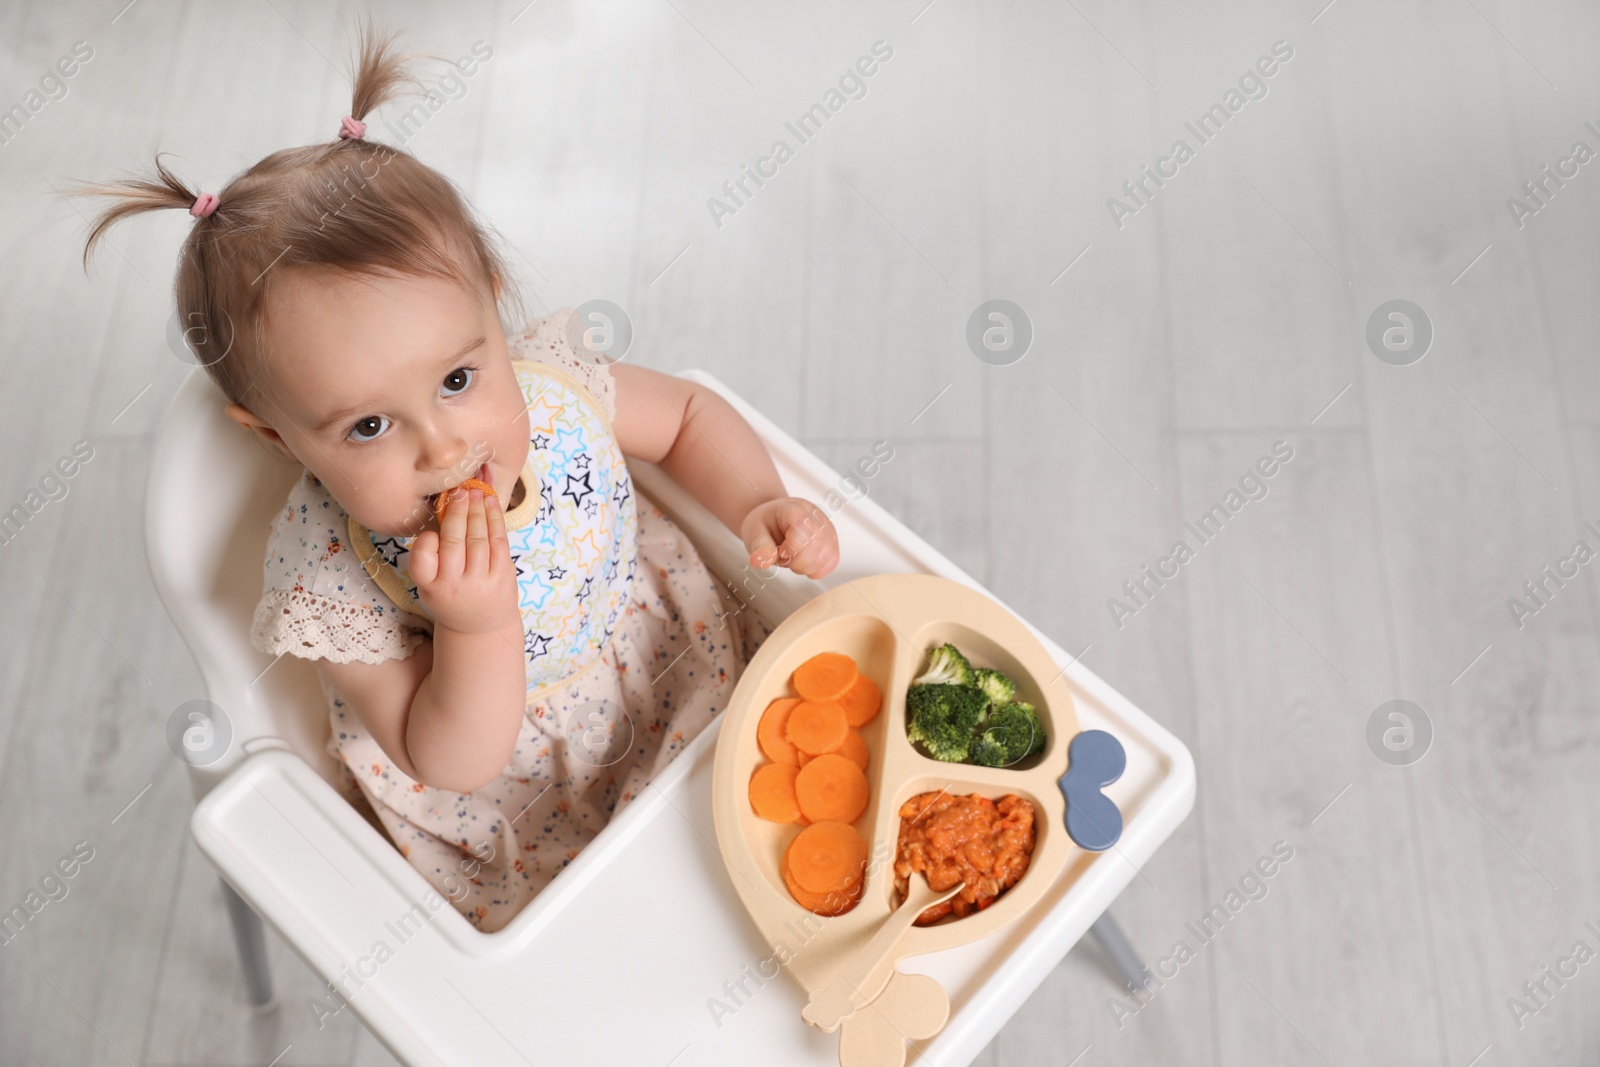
{"x":546,"y":341}
{"x":315,"y":627}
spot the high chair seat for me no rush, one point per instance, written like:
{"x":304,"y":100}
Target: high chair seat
{"x":618,"y":960}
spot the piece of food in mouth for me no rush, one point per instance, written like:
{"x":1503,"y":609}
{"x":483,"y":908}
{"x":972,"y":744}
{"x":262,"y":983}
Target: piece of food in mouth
{"x":967,"y":839}
{"x":442,"y":500}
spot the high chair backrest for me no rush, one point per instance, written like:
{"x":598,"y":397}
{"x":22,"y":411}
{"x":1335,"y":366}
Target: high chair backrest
{"x":213,"y":489}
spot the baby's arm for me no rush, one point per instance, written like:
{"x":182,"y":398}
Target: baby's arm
{"x":449,"y":714}
{"x":703,"y":443}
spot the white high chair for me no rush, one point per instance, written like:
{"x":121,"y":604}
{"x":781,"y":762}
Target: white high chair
{"x":644,"y":917}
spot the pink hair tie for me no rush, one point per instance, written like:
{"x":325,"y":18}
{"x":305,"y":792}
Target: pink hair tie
{"x":352,"y":127}
{"x":204,"y":205}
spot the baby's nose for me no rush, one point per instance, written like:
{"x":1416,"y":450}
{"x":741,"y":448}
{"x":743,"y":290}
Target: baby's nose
{"x":442,"y":452}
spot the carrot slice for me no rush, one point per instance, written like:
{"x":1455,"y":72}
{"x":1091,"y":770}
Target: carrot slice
{"x":831,"y":789}
{"x":861,"y":701}
{"x":854,"y":749}
{"x":772,"y":792}
{"x":816,"y":728}
{"x":825,"y":676}
{"x":442,"y":501}
{"x":828,"y":857}
{"x":802,"y":759}
{"x":821,"y":903}
{"x":769,"y":732}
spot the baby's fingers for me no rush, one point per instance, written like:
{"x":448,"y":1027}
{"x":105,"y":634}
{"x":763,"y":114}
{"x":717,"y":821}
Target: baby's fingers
{"x":425,"y":557}
{"x":810,"y":546}
{"x":478,"y":546}
{"x":499,"y":540}
{"x":816,"y":558}
{"x":453,"y":534}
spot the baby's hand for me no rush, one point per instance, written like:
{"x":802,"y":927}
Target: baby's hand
{"x":464,"y":572}
{"x":793,"y":533}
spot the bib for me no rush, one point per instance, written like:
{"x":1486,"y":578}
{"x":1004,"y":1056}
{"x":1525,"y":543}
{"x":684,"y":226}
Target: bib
{"x":573,"y":537}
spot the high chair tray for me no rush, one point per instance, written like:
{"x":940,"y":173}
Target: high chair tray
{"x":641,"y":951}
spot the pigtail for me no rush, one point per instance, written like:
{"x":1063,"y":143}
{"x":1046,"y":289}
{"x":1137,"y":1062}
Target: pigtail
{"x":134,"y":196}
{"x":379,"y":72}
{"x":314,"y":207}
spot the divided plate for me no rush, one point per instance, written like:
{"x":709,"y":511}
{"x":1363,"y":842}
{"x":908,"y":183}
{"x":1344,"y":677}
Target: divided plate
{"x":887,"y":623}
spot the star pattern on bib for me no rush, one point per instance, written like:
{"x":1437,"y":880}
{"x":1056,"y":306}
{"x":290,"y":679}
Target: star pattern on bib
{"x":572,"y":581}
{"x":542,"y":415}
{"x":577,"y":488}
{"x":569,"y":443}
{"x":392,"y":549}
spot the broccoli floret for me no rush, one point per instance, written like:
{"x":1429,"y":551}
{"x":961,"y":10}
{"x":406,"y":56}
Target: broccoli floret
{"x":943,"y":718}
{"x":946,"y":666}
{"x":1008,"y":733}
{"x":996,"y":686}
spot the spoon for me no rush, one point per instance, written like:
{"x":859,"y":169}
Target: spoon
{"x":866,"y":972}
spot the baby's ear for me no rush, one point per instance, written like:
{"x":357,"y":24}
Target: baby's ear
{"x":246,"y":418}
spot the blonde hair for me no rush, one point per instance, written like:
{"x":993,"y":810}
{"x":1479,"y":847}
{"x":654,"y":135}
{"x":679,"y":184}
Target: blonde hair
{"x":350,"y":206}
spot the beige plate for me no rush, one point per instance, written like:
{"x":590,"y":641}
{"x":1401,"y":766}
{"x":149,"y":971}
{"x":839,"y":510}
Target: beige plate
{"x":887,"y":623}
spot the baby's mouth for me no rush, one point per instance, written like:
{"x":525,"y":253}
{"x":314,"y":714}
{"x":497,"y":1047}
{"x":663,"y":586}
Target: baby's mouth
{"x":482,"y":474}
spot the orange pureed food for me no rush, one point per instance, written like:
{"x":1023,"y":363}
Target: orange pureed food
{"x":971,"y":839}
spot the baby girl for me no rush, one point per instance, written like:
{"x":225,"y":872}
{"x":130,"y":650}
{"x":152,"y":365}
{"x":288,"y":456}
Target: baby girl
{"x":506,"y":668}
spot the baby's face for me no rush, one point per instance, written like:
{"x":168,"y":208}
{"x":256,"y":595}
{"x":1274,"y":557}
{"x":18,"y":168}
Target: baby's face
{"x":392,"y":390}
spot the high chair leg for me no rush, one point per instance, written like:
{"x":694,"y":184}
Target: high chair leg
{"x":1115,"y":944}
{"x":250,"y":936}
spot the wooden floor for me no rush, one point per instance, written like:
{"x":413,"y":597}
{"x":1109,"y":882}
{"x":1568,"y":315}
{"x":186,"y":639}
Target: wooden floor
{"x":1227,"y":312}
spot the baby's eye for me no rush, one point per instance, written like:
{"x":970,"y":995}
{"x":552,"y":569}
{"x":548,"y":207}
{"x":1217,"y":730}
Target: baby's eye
{"x":373,"y":423}
{"x":456,"y":381}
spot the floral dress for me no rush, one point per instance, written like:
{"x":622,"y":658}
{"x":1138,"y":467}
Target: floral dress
{"x":632,"y":646}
